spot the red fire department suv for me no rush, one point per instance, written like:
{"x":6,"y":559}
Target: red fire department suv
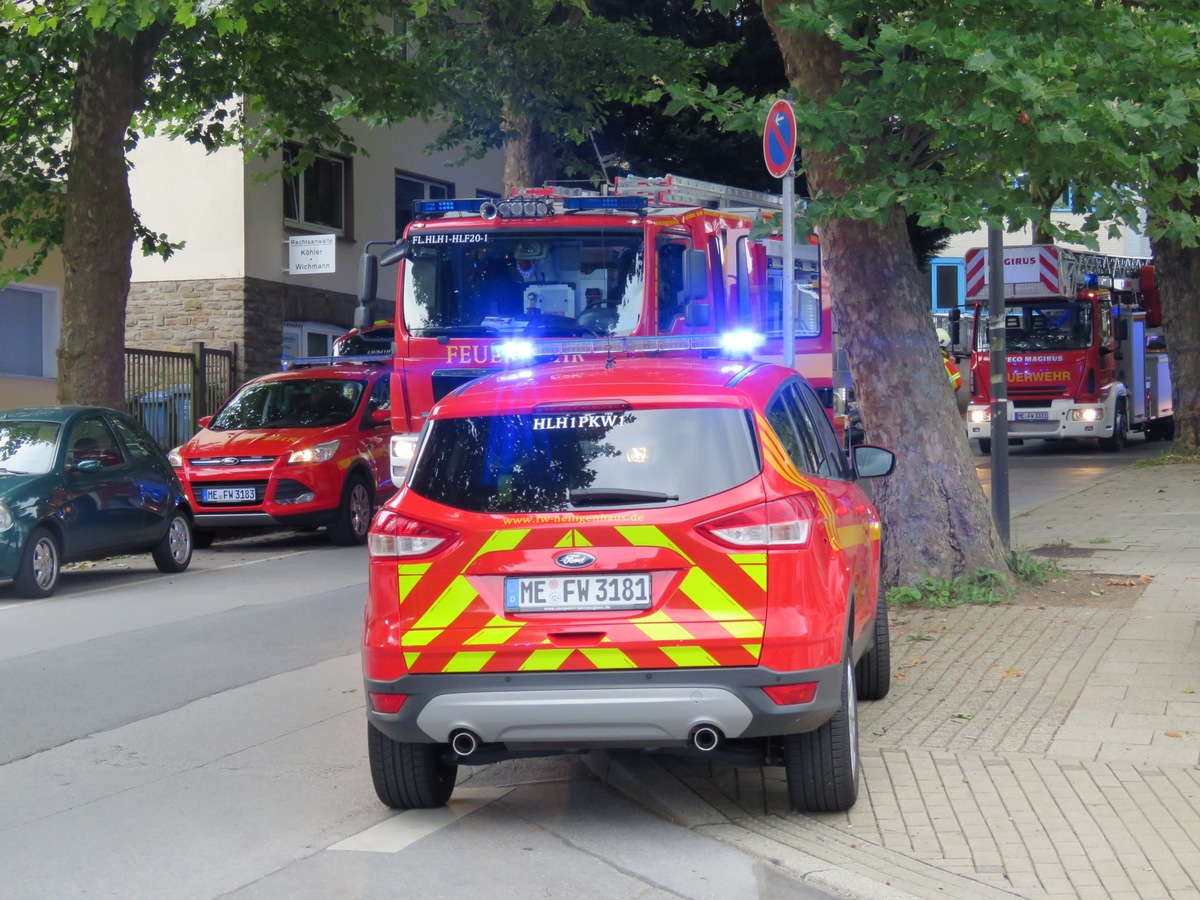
{"x":302,"y":448}
{"x":673,"y":555}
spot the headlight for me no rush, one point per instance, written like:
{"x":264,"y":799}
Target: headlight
{"x":6,"y":518}
{"x":174,"y":458}
{"x":1091,"y":414}
{"x":401,"y":451}
{"x":981,"y":414}
{"x":318,"y":454}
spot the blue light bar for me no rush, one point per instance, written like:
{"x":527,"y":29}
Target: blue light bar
{"x":632,"y":204}
{"x":741,"y":341}
{"x":433,"y":207}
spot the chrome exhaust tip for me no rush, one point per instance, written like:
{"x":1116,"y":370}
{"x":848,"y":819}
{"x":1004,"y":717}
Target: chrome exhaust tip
{"x":464,"y":742}
{"x":705,"y":738}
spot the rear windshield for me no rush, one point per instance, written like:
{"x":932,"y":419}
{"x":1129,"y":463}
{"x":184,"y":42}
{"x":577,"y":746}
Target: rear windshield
{"x":579,"y":460}
{"x":27,"y":448}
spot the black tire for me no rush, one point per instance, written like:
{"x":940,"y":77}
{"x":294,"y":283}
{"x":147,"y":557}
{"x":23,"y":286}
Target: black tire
{"x":822,"y":766}
{"x":202,"y":540}
{"x":873,"y":672}
{"x":410,"y":776}
{"x":1166,"y":428}
{"x":41,"y":564}
{"x":1116,"y":443}
{"x":174,"y":552}
{"x":353,"y":516}
{"x":985,"y":446}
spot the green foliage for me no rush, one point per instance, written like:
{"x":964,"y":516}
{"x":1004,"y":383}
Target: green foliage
{"x":1032,"y":569}
{"x":985,"y":587}
{"x":942,"y":105}
{"x":252,"y":71}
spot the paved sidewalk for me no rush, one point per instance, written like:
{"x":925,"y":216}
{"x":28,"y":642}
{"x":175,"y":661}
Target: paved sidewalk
{"x":1023,"y":751}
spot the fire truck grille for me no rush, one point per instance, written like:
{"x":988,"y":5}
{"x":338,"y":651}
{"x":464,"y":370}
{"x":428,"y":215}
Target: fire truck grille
{"x":1040,"y":392}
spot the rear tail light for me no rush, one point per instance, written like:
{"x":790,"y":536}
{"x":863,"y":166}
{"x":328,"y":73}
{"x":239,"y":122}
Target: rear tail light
{"x":387,"y":703}
{"x":394,"y":535}
{"x":780,"y":523}
{"x":791,"y":694}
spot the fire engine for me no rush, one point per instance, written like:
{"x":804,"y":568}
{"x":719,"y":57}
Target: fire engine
{"x":653,"y":265}
{"x":1084,"y":356}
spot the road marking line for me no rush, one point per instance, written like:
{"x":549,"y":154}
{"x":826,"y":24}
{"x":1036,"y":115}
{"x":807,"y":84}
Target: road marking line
{"x":404,"y":828}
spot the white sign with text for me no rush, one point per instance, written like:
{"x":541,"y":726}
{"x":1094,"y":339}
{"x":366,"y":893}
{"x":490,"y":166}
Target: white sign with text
{"x":311,"y":253}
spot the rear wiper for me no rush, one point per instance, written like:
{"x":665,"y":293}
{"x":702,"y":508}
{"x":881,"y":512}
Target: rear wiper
{"x":602,"y":496}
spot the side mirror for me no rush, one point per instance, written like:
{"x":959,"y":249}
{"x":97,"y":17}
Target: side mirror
{"x":203,"y":421}
{"x":1121,"y":329}
{"x":379,"y":416}
{"x":873,"y":462}
{"x":695,"y":275}
{"x":697,"y":315}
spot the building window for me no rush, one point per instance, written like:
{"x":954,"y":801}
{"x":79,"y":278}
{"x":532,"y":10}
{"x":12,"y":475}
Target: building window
{"x":410,"y":188}
{"x":30,"y":332}
{"x":317,"y":198}
{"x":949,"y":283}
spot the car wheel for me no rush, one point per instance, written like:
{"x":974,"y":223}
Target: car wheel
{"x":873,"y":673}
{"x":202,"y":540}
{"x":1116,"y":443}
{"x":174,"y":552}
{"x":38,"y":571}
{"x":985,"y":446}
{"x":409,"y":776}
{"x":822,"y":766}
{"x":353,"y":516}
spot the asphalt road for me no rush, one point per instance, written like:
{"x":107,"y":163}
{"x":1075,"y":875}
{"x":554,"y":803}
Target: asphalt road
{"x":203,"y":736}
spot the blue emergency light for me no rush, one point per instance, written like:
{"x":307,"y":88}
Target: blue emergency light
{"x":433,"y":207}
{"x":582,"y":204}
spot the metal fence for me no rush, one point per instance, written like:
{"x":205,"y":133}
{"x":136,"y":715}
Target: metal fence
{"x":170,"y":391}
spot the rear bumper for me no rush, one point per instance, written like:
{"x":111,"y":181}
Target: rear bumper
{"x":592,"y":710}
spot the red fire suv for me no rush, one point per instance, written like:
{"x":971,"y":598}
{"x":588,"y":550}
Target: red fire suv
{"x":671,"y":555}
{"x":301,"y":448}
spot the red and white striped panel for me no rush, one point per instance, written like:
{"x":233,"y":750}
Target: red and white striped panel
{"x":1022,"y":265}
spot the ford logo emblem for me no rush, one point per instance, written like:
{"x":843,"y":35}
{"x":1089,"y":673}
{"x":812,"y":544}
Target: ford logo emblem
{"x":576,"y":559}
{"x":229,"y":461}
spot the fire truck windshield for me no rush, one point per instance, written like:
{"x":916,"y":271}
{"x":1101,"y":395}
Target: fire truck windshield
{"x":1042,"y":325}
{"x":534,"y":283}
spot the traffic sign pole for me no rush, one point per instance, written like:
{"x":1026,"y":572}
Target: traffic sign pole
{"x":779,"y":151}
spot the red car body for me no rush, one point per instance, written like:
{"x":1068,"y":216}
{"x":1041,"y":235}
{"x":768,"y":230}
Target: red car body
{"x":649,"y":553}
{"x":302,"y":448}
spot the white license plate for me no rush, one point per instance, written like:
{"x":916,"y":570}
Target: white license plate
{"x":1031,"y":416}
{"x":228,"y":495}
{"x":571,"y":593}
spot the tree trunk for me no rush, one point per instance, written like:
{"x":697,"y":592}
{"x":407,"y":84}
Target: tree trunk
{"x":1177,"y":274}
{"x":528,"y":155}
{"x":99,"y":229}
{"x":936,"y":517}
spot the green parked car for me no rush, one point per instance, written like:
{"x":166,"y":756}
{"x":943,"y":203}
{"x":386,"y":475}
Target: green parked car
{"x":84,"y":483}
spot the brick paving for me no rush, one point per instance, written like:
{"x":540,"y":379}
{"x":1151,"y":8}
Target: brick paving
{"x":1022,"y":752}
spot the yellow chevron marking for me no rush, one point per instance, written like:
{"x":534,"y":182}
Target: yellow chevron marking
{"x":449,"y":606}
{"x":754,"y":565}
{"x":747,"y":628}
{"x":608,"y":658}
{"x":415,"y":638}
{"x":410,"y":659}
{"x":690,"y":656}
{"x":493,"y":634}
{"x":648,"y":536}
{"x":409,"y":574}
{"x":711,"y":597}
{"x":573,"y":539}
{"x":753,"y":649}
{"x":664,"y":631}
{"x":459,"y":595}
{"x":545,"y":660}
{"x":468,"y":661}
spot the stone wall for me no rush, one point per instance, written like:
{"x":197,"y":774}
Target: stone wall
{"x":248,"y":312}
